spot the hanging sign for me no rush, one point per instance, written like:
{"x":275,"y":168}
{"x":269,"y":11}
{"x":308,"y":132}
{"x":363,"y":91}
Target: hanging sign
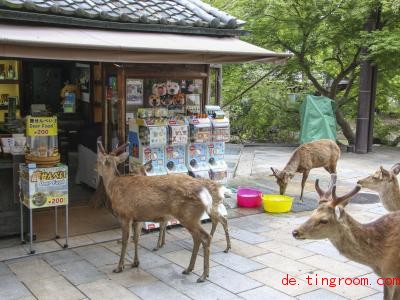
{"x":41,"y":126}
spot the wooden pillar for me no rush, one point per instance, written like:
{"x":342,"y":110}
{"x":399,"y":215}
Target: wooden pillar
{"x":104,"y":104}
{"x":121,"y":105}
{"x":206,"y":89}
{"x":218,"y":85}
{"x":366,"y":102}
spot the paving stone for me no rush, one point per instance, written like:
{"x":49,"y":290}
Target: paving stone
{"x":148,"y":259}
{"x":157,"y":291}
{"x":325,"y":248}
{"x":105,"y":289}
{"x":129,"y":277}
{"x":333,"y":284}
{"x":186,"y":284}
{"x":182,"y":258}
{"x":320,"y":294}
{"x":188,"y":245}
{"x":61,"y":257}
{"x":12,"y":252}
{"x":80,"y":272}
{"x":286,"y":250}
{"x":54,"y":288}
{"x":273,"y":278}
{"x":105,"y":236}
{"x":372,"y":278}
{"x":77,"y":241}
{"x":284,"y":264}
{"x":378,"y":296}
{"x":247,"y":236}
{"x":235,"y":262}
{"x":97,"y":255}
{"x":263,"y":293}
{"x":151,"y":243}
{"x":333,"y":266}
{"x":12,"y":288}
{"x":43,"y":247}
{"x":241,"y":248}
{"x":32,"y":269}
{"x":4,"y":269}
{"x":231,"y":280}
{"x":250,"y":225}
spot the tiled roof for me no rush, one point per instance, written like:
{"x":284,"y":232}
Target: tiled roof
{"x":184,"y":13}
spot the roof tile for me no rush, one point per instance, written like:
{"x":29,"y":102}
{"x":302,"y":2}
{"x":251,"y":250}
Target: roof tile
{"x":194,"y":13}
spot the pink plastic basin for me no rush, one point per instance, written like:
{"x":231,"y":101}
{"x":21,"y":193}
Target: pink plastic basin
{"x":249,"y":197}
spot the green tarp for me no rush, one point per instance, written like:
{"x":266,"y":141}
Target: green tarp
{"x":317,"y":119}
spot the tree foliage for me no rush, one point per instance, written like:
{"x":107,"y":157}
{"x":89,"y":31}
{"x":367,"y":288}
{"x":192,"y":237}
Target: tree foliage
{"x":326,"y":38}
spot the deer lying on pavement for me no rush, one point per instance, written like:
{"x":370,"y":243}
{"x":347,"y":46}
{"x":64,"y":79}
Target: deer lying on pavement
{"x":217,"y":193}
{"x":385,"y":183}
{"x":374,"y":244}
{"x":321,"y":153}
{"x":141,"y":198}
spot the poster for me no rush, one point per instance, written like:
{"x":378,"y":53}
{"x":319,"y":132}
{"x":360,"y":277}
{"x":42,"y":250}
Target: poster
{"x":44,"y":187}
{"x":134,"y":91}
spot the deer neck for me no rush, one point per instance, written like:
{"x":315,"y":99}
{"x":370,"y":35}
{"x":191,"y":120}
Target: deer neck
{"x":358,"y":242}
{"x":292,"y":165}
{"x":391,"y":196}
{"x":108,"y":177}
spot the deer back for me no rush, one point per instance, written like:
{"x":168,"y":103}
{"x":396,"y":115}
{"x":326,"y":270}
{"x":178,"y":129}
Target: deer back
{"x":321,"y":153}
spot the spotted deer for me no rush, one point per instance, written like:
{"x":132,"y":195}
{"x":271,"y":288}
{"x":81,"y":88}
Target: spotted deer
{"x":217,"y":193}
{"x":321,"y":153}
{"x":140,"y":198}
{"x":374,"y":244}
{"x":385,"y":183}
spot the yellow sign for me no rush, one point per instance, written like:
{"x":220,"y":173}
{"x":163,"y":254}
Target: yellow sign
{"x":41,"y":126}
{"x":55,"y":201}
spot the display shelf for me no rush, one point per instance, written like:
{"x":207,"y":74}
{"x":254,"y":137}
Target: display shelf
{"x":9,"y":81}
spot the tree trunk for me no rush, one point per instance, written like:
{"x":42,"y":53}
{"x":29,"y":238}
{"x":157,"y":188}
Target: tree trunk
{"x":345,"y":126}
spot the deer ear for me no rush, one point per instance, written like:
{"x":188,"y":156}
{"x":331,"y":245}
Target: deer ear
{"x":339,"y":213}
{"x":122,"y":157}
{"x":384,"y":172}
{"x":148,"y":166}
{"x":396,"y":169}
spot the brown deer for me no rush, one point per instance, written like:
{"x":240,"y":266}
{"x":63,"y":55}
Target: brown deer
{"x":217,"y":193}
{"x":140,"y":198}
{"x":321,"y":153}
{"x":374,"y":244}
{"x":385,"y":183}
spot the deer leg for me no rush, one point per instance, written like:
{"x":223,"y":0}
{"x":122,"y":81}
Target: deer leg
{"x":205,"y":240}
{"x":161,"y":235}
{"x":195,"y":251}
{"x":136,"y":234}
{"x":125,"y":236}
{"x":224,"y":223}
{"x":388,"y":292}
{"x":214,"y":221}
{"x":303,"y":182}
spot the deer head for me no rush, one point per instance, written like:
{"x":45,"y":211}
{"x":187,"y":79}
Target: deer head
{"x":282,"y":179}
{"x":107,"y":163}
{"x":381,"y":179}
{"x":142,"y":169}
{"x":328,"y":215}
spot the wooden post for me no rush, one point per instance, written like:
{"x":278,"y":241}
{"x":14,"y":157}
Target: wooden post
{"x":121,"y":105}
{"x":366,"y":102}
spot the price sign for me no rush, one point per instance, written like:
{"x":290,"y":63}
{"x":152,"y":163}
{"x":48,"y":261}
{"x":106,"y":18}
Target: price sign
{"x":41,"y":126}
{"x":58,"y":200}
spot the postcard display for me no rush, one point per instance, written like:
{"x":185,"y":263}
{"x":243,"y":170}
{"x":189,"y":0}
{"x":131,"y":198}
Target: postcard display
{"x":43,"y":187}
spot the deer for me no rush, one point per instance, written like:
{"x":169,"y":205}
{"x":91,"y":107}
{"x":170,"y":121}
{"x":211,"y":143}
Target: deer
{"x":385,"y":183}
{"x":375,"y":244}
{"x":217,"y":193}
{"x":316,"y":154}
{"x":140,"y":198}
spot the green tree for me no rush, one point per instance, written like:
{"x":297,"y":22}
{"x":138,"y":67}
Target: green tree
{"x":325,"y":38}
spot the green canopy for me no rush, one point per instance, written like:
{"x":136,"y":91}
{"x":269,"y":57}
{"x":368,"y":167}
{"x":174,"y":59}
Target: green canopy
{"x":317,"y":119}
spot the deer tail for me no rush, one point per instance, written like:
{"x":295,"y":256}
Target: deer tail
{"x":206,"y":199}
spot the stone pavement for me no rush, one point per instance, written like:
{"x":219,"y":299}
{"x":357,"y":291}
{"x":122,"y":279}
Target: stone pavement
{"x":263,"y":252}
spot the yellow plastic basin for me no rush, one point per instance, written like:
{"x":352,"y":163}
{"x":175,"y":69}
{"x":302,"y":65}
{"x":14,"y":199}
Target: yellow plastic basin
{"x":277,"y":203}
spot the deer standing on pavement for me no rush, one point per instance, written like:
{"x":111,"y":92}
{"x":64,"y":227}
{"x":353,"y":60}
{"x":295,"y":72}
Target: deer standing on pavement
{"x":374,"y":244}
{"x":321,"y":153}
{"x":140,"y":198}
{"x":385,"y":183}
{"x":217,"y":193}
